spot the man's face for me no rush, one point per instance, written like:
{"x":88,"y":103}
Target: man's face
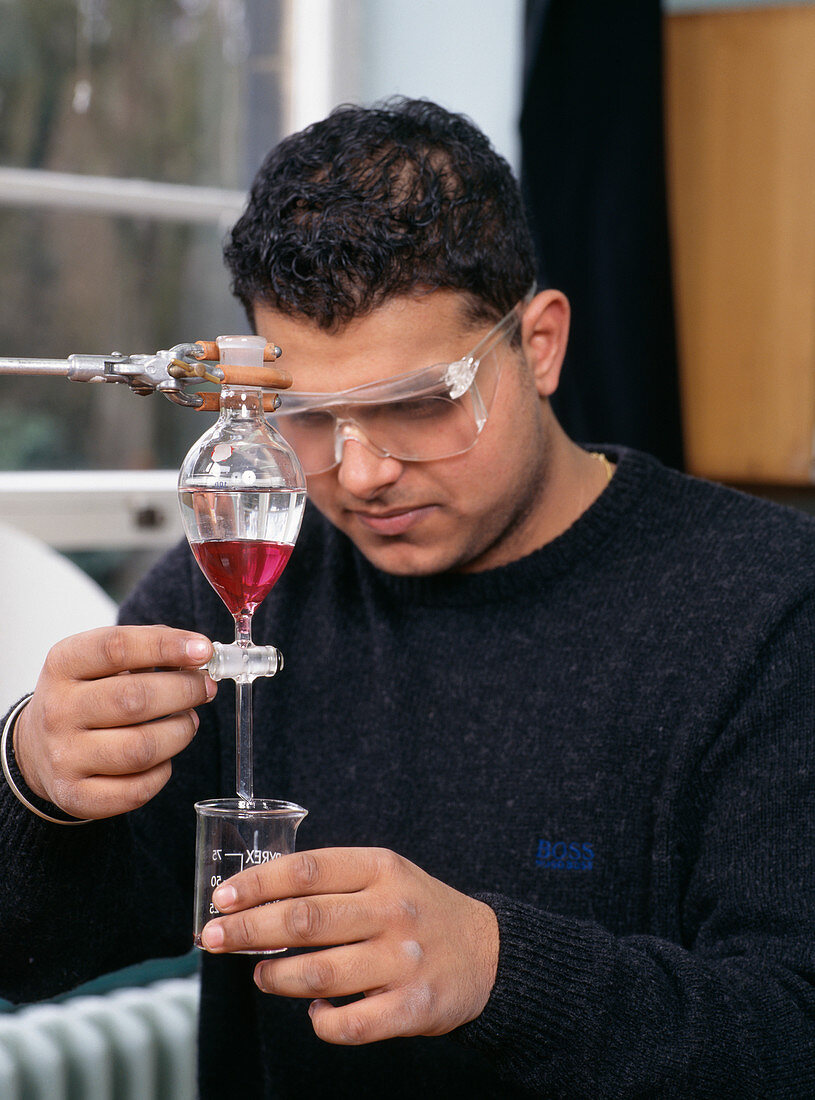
{"x":468,"y":512}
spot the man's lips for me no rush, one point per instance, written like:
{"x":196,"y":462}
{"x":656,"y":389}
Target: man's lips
{"x":395,"y":522}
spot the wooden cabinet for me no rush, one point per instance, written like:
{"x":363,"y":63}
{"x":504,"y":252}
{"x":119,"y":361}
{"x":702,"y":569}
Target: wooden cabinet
{"x":740,"y":127}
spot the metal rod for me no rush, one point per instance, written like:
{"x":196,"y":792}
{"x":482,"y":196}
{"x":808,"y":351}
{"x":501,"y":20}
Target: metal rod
{"x":34,"y":366}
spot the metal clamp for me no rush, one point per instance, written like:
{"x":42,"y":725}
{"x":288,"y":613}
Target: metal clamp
{"x":164,"y":372}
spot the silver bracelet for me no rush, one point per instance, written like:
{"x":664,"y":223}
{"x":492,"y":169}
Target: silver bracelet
{"x":9,"y":726}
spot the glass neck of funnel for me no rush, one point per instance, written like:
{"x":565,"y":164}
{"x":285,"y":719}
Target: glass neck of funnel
{"x":241,"y":403}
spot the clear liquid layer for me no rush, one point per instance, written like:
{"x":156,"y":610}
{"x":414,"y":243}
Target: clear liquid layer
{"x":262,"y":515}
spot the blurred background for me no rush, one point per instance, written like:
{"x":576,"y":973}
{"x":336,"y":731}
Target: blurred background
{"x":666,"y":151}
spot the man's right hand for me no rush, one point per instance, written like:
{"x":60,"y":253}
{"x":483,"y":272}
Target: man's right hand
{"x":111,"y":708}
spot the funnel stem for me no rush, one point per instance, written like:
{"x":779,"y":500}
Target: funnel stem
{"x":243,"y":718}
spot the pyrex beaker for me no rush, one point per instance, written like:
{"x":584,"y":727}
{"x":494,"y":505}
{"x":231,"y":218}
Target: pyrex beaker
{"x":232,"y":835}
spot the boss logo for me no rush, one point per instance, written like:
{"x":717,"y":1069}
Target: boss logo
{"x":562,"y":855}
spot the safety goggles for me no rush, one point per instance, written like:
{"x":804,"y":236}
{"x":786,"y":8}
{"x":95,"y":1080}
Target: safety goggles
{"x":434,"y":412}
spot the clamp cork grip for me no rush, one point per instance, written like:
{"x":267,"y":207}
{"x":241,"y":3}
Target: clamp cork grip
{"x":266,"y":377}
{"x":210,"y":351}
{"x":211,"y":402}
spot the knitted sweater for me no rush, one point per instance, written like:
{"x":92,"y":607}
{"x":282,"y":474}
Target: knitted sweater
{"x":610,"y":741}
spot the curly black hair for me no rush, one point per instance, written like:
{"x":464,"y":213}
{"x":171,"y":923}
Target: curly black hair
{"x":379,"y":201}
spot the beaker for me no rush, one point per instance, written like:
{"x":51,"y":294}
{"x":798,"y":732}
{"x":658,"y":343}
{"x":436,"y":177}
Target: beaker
{"x":232,"y":835}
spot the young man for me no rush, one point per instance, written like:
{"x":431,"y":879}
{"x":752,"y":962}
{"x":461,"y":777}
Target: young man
{"x":550,"y":707}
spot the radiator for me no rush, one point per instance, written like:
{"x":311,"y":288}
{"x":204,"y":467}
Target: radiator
{"x":130,"y":1044}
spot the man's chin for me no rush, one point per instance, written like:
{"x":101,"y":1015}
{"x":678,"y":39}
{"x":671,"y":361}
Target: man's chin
{"x":416,"y":553}
{"x":401,"y":558}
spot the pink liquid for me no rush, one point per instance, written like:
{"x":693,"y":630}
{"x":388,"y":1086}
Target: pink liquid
{"x":242,"y":571}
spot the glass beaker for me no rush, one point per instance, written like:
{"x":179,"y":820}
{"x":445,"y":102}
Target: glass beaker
{"x":231,"y":836}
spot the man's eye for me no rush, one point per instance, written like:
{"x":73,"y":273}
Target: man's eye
{"x":308,"y":421}
{"x":421,"y":408}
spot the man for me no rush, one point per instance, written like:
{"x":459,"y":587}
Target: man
{"x":549,"y":707}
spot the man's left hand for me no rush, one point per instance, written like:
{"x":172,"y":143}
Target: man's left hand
{"x":424,"y":955}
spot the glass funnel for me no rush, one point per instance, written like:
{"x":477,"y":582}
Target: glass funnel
{"x":242,"y":493}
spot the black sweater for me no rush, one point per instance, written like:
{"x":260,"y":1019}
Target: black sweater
{"x":610,"y":741}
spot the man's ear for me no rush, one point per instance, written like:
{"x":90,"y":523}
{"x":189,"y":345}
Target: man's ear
{"x":545,"y":334}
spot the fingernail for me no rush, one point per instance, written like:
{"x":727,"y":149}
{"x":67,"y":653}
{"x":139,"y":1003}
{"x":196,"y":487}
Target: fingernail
{"x":224,"y":896}
{"x":213,"y":935}
{"x":212,"y":687}
{"x":196,"y":721}
{"x":198,"y":649}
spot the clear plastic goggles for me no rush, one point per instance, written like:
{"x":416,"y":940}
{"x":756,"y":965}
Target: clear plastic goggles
{"x":434,"y":412}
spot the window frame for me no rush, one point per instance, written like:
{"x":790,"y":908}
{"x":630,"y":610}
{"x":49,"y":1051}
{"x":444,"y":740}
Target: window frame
{"x":104,"y":509}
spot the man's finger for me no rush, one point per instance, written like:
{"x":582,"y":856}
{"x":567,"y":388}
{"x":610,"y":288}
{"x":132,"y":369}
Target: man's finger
{"x":135,"y":749}
{"x":109,"y":650}
{"x":338,"y":972}
{"x":295,"y":922}
{"x":319,"y":871}
{"x":145,"y":696}
{"x":106,"y":796}
{"x":387,"y":1015}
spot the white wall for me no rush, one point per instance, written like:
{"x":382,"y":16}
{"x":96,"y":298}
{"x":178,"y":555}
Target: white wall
{"x":465,"y":55}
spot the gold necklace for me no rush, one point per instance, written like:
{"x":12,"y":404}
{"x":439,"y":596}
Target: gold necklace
{"x":604,"y":462}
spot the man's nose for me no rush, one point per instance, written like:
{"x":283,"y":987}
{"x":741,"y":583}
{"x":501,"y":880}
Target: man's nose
{"x":363,"y":469}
